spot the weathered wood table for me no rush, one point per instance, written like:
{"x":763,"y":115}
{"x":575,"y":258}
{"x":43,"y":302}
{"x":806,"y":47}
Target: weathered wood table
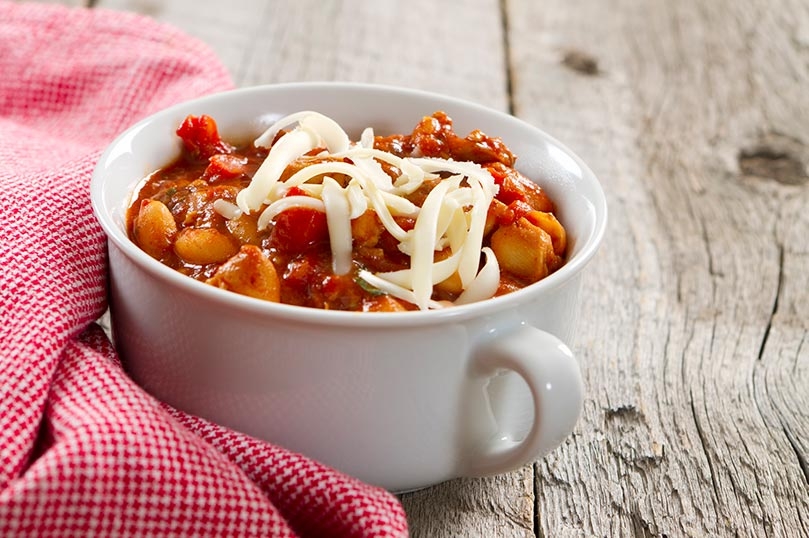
{"x":694,"y":339}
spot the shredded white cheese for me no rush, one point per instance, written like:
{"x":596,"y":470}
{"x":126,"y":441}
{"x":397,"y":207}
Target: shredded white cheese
{"x":287,"y":149}
{"x":289,"y":202}
{"x":452,"y":216}
{"x":227,"y":209}
{"x":485,"y":283}
{"x":338,"y":221}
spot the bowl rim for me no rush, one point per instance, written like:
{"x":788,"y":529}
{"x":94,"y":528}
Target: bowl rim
{"x":309,"y":315}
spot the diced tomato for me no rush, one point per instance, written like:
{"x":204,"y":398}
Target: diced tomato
{"x":295,"y":191}
{"x":514,"y":186}
{"x":503,"y":177}
{"x":513,"y":212}
{"x":298,"y":229}
{"x":224,"y":166}
{"x":497,"y":174}
{"x":510,"y":191}
{"x":201,"y":138}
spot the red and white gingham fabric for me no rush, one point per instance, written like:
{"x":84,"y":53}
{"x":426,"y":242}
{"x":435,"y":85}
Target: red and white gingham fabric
{"x":84,"y":451}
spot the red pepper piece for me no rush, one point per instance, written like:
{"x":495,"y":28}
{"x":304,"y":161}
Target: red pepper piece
{"x":295,"y":191}
{"x":514,"y":186}
{"x":299,"y":228}
{"x":201,"y":138}
{"x":515,"y":210}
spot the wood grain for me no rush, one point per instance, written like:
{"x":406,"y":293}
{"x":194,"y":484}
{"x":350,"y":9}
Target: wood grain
{"x":694,"y":340}
{"x":386,"y":42}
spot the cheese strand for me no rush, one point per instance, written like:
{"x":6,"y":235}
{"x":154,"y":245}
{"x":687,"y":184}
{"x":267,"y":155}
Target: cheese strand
{"x":453,"y":214}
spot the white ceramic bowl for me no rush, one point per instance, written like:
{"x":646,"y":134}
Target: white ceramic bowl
{"x":401,"y":400}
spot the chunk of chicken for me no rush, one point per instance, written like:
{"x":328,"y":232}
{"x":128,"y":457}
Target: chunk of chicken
{"x":524,"y":249}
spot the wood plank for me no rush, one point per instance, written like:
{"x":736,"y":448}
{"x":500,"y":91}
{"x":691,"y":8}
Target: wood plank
{"x":228,"y":29}
{"x":501,"y":506}
{"x":694,"y":337}
{"x":694,"y":340}
{"x":386,"y":42}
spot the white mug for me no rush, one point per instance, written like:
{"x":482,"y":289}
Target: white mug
{"x":400,"y":400}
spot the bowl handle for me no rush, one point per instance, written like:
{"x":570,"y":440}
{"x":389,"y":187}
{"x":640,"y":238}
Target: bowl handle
{"x":553,"y":377}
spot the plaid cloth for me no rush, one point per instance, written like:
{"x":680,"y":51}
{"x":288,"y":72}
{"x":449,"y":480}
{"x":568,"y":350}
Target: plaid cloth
{"x":85,"y":452}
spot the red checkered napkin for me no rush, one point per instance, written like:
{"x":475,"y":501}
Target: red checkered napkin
{"x":84,"y":451}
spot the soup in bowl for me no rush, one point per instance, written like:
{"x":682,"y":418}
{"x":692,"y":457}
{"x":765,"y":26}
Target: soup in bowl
{"x":399,"y":306}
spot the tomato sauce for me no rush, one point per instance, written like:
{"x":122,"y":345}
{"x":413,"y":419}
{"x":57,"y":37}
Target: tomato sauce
{"x":186,"y":232}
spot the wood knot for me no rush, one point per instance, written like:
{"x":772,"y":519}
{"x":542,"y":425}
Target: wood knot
{"x":625,"y":411}
{"x":775,"y":157}
{"x":581,"y":62}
